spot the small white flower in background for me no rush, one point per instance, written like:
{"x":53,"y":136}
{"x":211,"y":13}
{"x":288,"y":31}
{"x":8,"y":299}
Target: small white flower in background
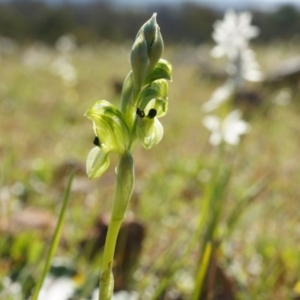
{"x":185,"y":281}
{"x":244,"y":67}
{"x":36,"y":56}
{"x":233,"y":34}
{"x":219,"y":96}
{"x":229,"y":130}
{"x":125,"y":295}
{"x":62,"y":65}
{"x":64,"y":68}
{"x":10,"y":290}
{"x":58,"y":288}
{"x":66,"y":44}
{"x":232,"y":37}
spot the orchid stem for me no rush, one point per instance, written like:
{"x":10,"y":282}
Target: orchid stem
{"x":124,"y":188}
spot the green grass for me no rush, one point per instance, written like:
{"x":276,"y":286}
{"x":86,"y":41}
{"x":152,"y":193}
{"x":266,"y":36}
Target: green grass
{"x":42,"y":127}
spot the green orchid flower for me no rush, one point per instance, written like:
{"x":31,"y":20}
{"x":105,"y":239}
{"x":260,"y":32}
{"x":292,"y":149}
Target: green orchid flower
{"x":161,"y":73}
{"x":153,"y":101}
{"x":113,"y":136}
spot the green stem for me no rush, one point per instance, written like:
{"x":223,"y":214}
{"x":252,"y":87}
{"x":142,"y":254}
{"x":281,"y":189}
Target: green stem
{"x":202,"y":271}
{"x":124,"y":188}
{"x":55,"y":239}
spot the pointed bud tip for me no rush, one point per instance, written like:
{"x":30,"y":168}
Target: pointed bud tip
{"x":153,"y":19}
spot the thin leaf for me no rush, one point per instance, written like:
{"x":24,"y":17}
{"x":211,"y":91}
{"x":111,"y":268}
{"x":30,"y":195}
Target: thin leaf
{"x":56,"y":237}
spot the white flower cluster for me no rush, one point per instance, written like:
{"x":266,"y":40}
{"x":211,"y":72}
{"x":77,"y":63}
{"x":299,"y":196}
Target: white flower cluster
{"x":232,"y":36}
{"x":36,"y":56}
{"x":61,"y":288}
{"x":39,"y":56}
{"x":10,"y":290}
{"x":62,"y":66}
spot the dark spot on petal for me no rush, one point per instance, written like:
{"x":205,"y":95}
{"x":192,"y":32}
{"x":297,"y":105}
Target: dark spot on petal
{"x":97,"y":142}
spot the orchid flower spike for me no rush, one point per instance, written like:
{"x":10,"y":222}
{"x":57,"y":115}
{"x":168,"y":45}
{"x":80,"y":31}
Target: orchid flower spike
{"x":144,"y":99}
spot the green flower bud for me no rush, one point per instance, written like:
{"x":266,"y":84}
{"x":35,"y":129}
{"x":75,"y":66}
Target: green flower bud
{"x":155,"y":44}
{"x":139,"y":61}
{"x":146,"y":51}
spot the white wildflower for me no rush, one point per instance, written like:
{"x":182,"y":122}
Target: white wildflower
{"x":10,"y":290}
{"x":61,"y":288}
{"x":219,"y":96}
{"x":125,"y":295}
{"x":36,"y":56}
{"x":244,"y":67}
{"x":185,"y":281}
{"x":229,"y":130}
{"x":233,"y":34}
{"x":64,"y":68}
{"x":66,"y":44}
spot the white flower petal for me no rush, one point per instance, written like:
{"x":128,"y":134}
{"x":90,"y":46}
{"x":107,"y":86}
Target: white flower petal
{"x":57,"y":288}
{"x":215,"y":138}
{"x":212,"y":123}
{"x":229,"y":130}
{"x":233,"y":116}
{"x":217,"y":52}
{"x":219,"y":96}
{"x":231,"y":139}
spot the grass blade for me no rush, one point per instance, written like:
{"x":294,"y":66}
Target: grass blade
{"x":56,"y":237}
